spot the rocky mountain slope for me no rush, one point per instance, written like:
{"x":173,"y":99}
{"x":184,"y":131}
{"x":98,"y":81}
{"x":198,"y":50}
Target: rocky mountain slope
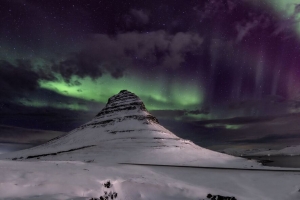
{"x":78,"y":165}
{"x":124,"y":131}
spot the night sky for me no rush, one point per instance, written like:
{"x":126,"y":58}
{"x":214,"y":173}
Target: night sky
{"x":218,"y":72}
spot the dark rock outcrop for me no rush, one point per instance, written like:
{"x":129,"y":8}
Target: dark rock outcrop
{"x":123,"y":106}
{"x":219,"y":197}
{"x":123,"y":101}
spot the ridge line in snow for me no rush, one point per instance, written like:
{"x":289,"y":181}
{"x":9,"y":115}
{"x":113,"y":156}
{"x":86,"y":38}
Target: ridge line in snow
{"x":220,"y":168}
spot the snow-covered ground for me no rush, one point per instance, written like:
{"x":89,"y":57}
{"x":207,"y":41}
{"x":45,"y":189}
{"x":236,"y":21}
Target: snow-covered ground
{"x":77,"y":165}
{"x":80,"y":180}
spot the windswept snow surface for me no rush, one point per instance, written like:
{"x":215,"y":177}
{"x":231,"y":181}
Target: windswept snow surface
{"x":75,"y":166}
{"x":80,"y":180}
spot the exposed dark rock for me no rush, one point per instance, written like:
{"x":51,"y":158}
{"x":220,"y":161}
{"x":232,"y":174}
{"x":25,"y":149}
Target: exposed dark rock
{"x":219,"y":197}
{"x":108,"y":184}
{"x":123,"y":101}
{"x":59,"y":152}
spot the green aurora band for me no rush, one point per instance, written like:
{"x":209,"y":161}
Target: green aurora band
{"x":286,"y":9}
{"x":40,"y":104}
{"x":157,"y":94}
{"x":226,"y":126}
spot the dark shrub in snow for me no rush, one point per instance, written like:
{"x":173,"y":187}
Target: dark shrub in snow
{"x":108,"y":184}
{"x":107,"y":195}
{"x":219,"y":197}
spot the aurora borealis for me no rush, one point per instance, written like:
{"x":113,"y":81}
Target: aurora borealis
{"x":152,"y":93}
{"x":191,"y":62}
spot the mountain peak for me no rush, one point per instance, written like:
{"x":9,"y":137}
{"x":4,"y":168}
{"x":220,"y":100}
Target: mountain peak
{"x":122,"y":107}
{"x":122,"y":98}
{"x":124,"y":131}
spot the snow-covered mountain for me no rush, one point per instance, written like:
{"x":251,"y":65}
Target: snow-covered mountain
{"x":124,"y":131}
{"x":77,"y":166}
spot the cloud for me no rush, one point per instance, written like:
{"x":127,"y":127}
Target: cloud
{"x":47,"y":117}
{"x":102,"y":53}
{"x":158,"y":48}
{"x":255,"y":21}
{"x":235,"y":121}
{"x":268,"y":139}
{"x":179,"y":114}
{"x":288,"y":24}
{"x":17,"y":79}
{"x":268,"y":105}
{"x":280,"y":130}
{"x":140,"y":16}
{"x":204,"y":110}
{"x":244,"y":30}
{"x":77,"y":83}
{"x":168,"y":114}
{"x":9,"y":134}
{"x":215,"y":7}
{"x":79,"y":64}
{"x":136,"y":18}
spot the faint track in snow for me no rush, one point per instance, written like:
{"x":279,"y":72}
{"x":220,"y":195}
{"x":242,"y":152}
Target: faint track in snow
{"x":214,"y":168}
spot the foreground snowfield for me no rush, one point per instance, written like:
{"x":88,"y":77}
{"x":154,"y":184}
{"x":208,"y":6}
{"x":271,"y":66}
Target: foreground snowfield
{"x":79,"y":180}
{"x":77,"y":165}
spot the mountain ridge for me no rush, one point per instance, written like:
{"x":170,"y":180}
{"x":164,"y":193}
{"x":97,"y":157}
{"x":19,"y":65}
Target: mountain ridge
{"x":124,"y":131}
